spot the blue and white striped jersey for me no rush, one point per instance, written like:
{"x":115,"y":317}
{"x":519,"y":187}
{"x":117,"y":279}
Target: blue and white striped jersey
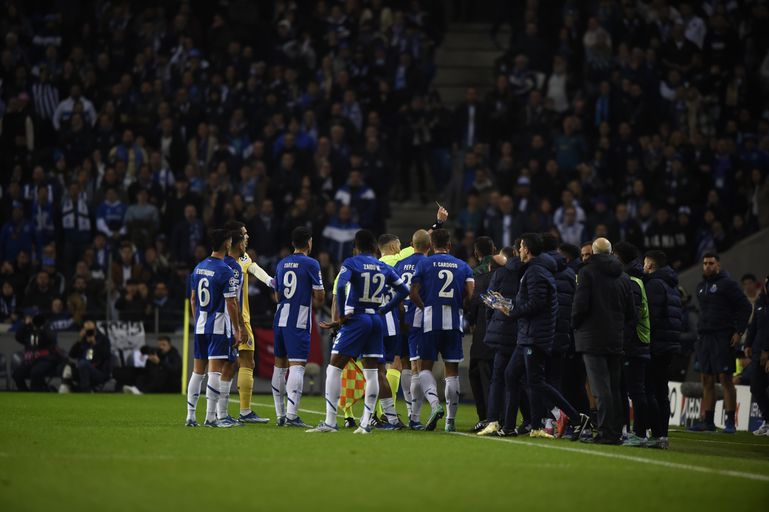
{"x":406,"y":268}
{"x":213,"y":282}
{"x":296,"y":277}
{"x":237,"y":271}
{"x":368,"y":278}
{"x":442,"y":278}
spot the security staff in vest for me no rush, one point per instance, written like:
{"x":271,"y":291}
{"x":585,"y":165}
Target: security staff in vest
{"x":724,"y":315}
{"x":636,"y":348}
{"x":603,"y":306}
{"x":665,"y":320}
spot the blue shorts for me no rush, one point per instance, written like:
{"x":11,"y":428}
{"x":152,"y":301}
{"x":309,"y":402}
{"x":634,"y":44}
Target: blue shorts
{"x":392,"y":348}
{"x":212,"y":346}
{"x":360,"y":336}
{"x":446,"y":343}
{"x":292,"y":343}
{"x":714,"y":354}
{"x":413,"y":341}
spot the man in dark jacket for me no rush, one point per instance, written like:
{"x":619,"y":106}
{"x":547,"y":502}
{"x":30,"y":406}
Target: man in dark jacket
{"x":501,"y":336}
{"x":481,"y":355}
{"x":724,"y":315}
{"x":757,"y":348}
{"x":40,"y":356}
{"x":635,"y":347}
{"x":536,"y":309}
{"x":91,"y":357}
{"x":665,"y":314}
{"x":603,"y":306}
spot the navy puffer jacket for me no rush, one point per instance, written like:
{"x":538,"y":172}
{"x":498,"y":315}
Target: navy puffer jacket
{"x":502,"y":330}
{"x":565,"y":284}
{"x":723,"y":305}
{"x":664,"y":310}
{"x":536,"y":305}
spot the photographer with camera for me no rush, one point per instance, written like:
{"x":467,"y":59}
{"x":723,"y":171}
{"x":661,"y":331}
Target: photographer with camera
{"x":151,"y":370}
{"x":40,"y":356}
{"x":89,"y":359}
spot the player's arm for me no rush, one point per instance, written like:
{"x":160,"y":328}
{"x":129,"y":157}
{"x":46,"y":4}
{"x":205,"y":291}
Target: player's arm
{"x":337,"y":316}
{"x":258,"y":272}
{"x":469,"y":290}
{"x":192,"y":303}
{"x":416,"y":299}
{"x":399,"y":287}
{"x":318,"y":293}
{"x":234,"y":312}
{"x":440,"y":218}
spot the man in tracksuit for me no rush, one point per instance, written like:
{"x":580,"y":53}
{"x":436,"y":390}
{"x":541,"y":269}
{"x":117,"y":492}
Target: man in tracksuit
{"x":536,"y":309}
{"x":665,"y":320}
{"x":724,"y":315}
{"x":501,"y":336}
{"x":757,"y":348}
{"x":635,"y":348}
{"x":565,"y":284}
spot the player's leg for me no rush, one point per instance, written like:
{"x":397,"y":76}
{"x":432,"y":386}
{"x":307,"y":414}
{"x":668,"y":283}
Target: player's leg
{"x":417,"y":394}
{"x":347,"y":346}
{"x":372,"y":351}
{"x":298,"y":348}
{"x":196,"y":379}
{"x":279,"y":371}
{"x":405,"y":369}
{"x":514,"y":370}
{"x":726,"y":368}
{"x":225,"y":387}
{"x":450,"y":347}
{"x":219,"y":350}
{"x":371,"y":372}
{"x":246,"y":366}
{"x":428,"y":353}
{"x":708,"y":369}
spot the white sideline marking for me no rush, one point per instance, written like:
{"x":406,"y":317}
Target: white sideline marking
{"x":272,"y":406}
{"x":608,"y":455}
{"x":643,"y":460}
{"x":696,"y":440}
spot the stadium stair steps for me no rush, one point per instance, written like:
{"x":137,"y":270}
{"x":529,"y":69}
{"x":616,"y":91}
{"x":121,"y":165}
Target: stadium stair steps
{"x":466,"y":59}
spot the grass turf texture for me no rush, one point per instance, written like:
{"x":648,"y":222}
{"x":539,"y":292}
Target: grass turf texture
{"x":129,"y":453}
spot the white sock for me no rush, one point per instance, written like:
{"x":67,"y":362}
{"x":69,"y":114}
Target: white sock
{"x":406,"y":387}
{"x":452,"y":397}
{"x":430,"y":387}
{"x":333,"y":390}
{"x":193,"y":393}
{"x":417,"y":398}
{"x":294,"y":390}
{"x":212,"y":394}
{"x":370,"y":396}
{"x":279,"y":390}
{"x":224,"y":399}
{"x":388,"y":406}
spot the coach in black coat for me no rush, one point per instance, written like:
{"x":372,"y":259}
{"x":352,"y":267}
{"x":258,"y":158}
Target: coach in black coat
{"x":536,"y":308}
{"x":603,"y":306}
{"x":757,"y":347}
{"x":501,"y":334}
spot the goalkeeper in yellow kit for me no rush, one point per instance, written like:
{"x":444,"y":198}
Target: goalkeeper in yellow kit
{"x":246,"y":350}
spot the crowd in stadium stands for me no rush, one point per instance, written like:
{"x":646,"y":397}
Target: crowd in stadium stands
{"x":128,"y":132}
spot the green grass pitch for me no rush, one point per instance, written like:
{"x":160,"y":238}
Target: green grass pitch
{"x":126,"y":453}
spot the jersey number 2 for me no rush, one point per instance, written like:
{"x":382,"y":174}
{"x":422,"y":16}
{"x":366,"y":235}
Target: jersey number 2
{"x":448,"y":277}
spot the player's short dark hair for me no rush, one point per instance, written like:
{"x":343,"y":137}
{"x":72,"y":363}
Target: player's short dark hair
{"x":218,"y":238}
{"x":549,"y":242}
{"x":484,"y":245}
{"x":533,"y":242}
{"x":164,"y":338}
{"x":659,"y":258}
{"x":236,"y":235}
{"x":508,"y":251}
{"x":625,"y":251}
{"x":441,"y":238}
{"x":300,"y":237}
{"x":365,"y":242}
{"x":386,"y":239}
{"x":571,"y":250}
{"x":234,"y":225}
{"x":751,"y":277}
{"x":711,"y":255}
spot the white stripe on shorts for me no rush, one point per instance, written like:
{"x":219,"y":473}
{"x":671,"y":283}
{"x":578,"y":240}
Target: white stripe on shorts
{"x":285,"y":309}
{"x":301,"y":319}
{"x":390,"y":321}
{"x":428,"y":319}
{"x":446,"y":323}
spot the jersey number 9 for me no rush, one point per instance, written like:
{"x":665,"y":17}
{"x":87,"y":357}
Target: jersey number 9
{"x":289,"y":284}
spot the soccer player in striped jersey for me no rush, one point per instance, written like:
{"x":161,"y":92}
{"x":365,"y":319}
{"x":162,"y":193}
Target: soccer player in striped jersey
{"x":214,"y":301}
{"x":298,"y":284}
{"x":412,"y":317}
{"x":439,"y":286}
{"x":246,"y":350}
{"x":361,"y":329}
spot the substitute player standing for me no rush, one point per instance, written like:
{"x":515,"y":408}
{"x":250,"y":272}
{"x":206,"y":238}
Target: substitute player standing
{"x":439,"y":286}
{"x":214,"y":303}
{"x":361,"y":331}
{"x":298,"y":283}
